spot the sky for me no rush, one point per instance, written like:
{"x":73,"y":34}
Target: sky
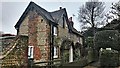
{"x":11,"y":10}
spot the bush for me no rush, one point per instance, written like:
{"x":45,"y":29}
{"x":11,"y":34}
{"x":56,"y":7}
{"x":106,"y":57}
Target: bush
{"x":107,"y":39}
{"x":109,"y":58}
{"x":89,"y":41}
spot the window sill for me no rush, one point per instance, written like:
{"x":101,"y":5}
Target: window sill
{"x":55,"y":56}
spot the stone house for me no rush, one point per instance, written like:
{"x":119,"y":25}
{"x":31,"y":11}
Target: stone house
{"x":47,"y":31}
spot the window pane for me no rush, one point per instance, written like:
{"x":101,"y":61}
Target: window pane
{"x":55,"y":31}
{"x":55,"y":52}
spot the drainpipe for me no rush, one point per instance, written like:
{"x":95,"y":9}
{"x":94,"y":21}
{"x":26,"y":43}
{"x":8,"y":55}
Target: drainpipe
{"x":51,"y":44}
{"x":17,"y":30}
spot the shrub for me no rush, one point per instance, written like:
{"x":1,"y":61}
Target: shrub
{"x":109,"y":58}
{"x":107,"y":39}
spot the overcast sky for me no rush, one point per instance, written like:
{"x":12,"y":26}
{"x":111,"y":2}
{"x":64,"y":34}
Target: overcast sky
{"x":11,"y":10}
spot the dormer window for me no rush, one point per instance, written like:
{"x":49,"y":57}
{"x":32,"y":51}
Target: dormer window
{"x":55,"y":31}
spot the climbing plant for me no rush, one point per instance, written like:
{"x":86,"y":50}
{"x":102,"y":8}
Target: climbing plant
{"x":65,"y":46}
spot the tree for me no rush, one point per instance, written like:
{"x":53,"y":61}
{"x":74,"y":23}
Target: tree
{"x":114,"y":13}
{"x":116,"y":9}
{"x":91,"y":13}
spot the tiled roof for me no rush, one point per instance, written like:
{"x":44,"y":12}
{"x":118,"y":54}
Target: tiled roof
{"x":54,"y":17}
{"x":39,"y":9}
{"x":58,"y":14}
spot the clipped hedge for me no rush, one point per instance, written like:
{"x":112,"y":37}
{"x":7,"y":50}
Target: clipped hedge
{"x":107,"y":39}
{"x":109,"y":58}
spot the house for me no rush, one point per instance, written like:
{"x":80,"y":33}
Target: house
{"x":48,"y":33}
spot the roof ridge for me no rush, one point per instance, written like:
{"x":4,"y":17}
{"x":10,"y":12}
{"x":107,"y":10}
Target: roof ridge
{"x":29,"y":7}
{"x":58,"y":10}
{"x":44,"y":10}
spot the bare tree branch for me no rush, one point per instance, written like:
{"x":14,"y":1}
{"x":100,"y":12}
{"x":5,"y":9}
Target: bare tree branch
{"x":91,"y":12}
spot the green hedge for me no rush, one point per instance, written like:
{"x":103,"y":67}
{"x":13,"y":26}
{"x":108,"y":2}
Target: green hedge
{"x":109,"y":58}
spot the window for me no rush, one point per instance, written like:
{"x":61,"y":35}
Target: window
{"x":55,"y":31}
{"x":78,"y":39}
{"x":55,"y":52}
{"x":30,"y":52}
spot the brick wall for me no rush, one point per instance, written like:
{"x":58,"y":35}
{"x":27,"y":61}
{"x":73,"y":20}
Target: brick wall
{"x":43,"y":32}
{"x":38,"y":36}
{"x":32,"y":30}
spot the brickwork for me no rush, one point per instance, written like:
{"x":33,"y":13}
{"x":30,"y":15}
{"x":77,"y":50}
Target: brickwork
{"x":38,"y":29}
{"x":43,"y":31}
{"x":32,"y":23}
{"x":38,"y":36}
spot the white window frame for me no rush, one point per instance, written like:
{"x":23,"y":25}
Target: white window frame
{"x":55,"y":31}
{"x":71,"y":54}
{"x":30,"y":52}
{"x":55,"y":52}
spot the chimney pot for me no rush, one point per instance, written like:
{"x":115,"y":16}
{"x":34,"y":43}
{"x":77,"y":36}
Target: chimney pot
{"x":60,"y":8}
{"x":70,"y":19}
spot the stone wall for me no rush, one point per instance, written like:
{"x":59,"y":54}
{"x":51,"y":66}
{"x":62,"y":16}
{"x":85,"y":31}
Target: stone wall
{"x":63,"y":33}
{"x":33,"y":20}
{"x":43,"y":32}
{"x":38,"y":37}
{"x":17,"y":56}
{"x":23,"y":30}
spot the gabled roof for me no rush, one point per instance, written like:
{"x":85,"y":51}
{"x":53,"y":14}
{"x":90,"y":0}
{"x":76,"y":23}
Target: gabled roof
{"x":57,"y":15}
{"x":54,"y":16}
{"x":39,"y":9}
